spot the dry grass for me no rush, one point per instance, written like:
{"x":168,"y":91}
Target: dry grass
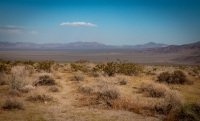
{"x":153,"y":89}
{"x":13,"y":103}
{"x":39,"y":97}
{"x":78,"y":77}
{"x":53,"y":89}
{"x":45,"y":80}
{"x":122,"y":93}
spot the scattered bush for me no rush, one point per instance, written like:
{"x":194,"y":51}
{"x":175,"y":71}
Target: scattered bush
{"x":86,"y":89}
{"x":14,"y":92}
{"x":189,"y":112}
{"x":129,"y":68}
{"x":45,"y":80}
{"x":27,"y":88}
{"x":109,"y":94}
{"x":45,"y":65}
{"x":19,"y":76}
{"x":78,"y":77}
{"x":153,"y":89}
{"x":4,"y":67}
{"x":12,"y":103}
{"x":122,"y":81}
{"x":111,"y":68}
{"x":177,"y":77}
{"x":40,"y":97}
{"x":80,"y":67}
{"x":4,"y":78}
{"x":53,"y":89}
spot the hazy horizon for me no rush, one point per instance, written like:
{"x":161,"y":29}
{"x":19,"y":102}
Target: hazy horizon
{"x":110,"y":22}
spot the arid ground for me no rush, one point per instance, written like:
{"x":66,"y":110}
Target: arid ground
{"x":94,"y":56}
{"x":82,"y":90}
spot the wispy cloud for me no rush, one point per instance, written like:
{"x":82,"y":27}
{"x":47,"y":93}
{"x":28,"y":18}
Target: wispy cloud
{"x":33,"y":32}
{"x":10,"y":29}
{"x":78,"y":24}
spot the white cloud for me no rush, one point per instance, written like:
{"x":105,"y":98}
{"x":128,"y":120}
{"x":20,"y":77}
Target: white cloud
{"x":78,"y":24}
{"x":11,"y":31}
{"x":12,"y":27}
{"x":33,"y":32}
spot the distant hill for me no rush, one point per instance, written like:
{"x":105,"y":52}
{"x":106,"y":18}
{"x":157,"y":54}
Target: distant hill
{"x":76,"y":45}
{"x":188,"y":52}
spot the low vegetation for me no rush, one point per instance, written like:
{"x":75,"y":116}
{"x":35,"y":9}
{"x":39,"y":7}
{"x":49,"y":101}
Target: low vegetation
{"x":12,"y":103}
{"x":150,"y":90}
{"x":45,"y":65}
{"x":45,"y":80}
{"x":40,"y":97}
{"x":177,"y":77}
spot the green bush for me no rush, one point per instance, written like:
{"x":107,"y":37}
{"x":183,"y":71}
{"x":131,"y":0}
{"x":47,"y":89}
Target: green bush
{"x":129,"y":68}
{"x":79,"y":67}
{"x":45,"y":65}
{"x":189,"y":112}
{"x":78,"y":77}
{"x":45,"y":80}
{"x":4,"y":67}
{"x":111,"y":68}
{"x":177,"y":77}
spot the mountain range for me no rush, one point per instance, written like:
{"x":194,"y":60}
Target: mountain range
{"x":76,"y":45}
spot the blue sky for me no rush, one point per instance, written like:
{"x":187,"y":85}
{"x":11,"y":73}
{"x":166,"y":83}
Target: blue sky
{"x":114,"y":22}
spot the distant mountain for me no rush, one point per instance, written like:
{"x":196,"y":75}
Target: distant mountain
{"x":145,"y":46}
{"x":76,"y":45}
{"x":193,"y":48}
{"x":187,"y":52}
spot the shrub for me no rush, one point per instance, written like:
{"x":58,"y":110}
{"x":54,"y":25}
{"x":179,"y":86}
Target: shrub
{"x":123,"y":82}
{"x":45,"y":65}
{"x":12,"y":103}
{"x":189,"y":111}
{"x":79,"y":67}
{"x":14,"y":92}
{"x":27,"y":88}
{"x":41,"y":97}
{"x":109,"y":94}
{"x":129,"y":68}
{"x":45,"y":80}
{"x":3,"y":67}
{"x":110,"y":69}
{"x":4,"y":79}
{"x":53,"y":89}
{"x":177,"y":77}
{"x":78,"y":77}
{"x":86,"y":89}
{"x":153,"y":89}
{"x":19,"y":76}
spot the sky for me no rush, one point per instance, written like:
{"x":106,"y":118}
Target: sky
{"x":112,"y":22}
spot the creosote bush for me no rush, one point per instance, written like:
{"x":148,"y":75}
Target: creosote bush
{"x":111,"y":68}
{"x":177,"y":77}
{"x":109,"y":93}
{"x":12,"y":103}
{"x":45,"y":80}
{"x":40,"y":97}
{"x":45,"y":65}
{"x":190,"y":111}
{"x":153,"y":89}
{"x":78,"y":66}
{"x":78,"y":77}
{"x":53,"y":89}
